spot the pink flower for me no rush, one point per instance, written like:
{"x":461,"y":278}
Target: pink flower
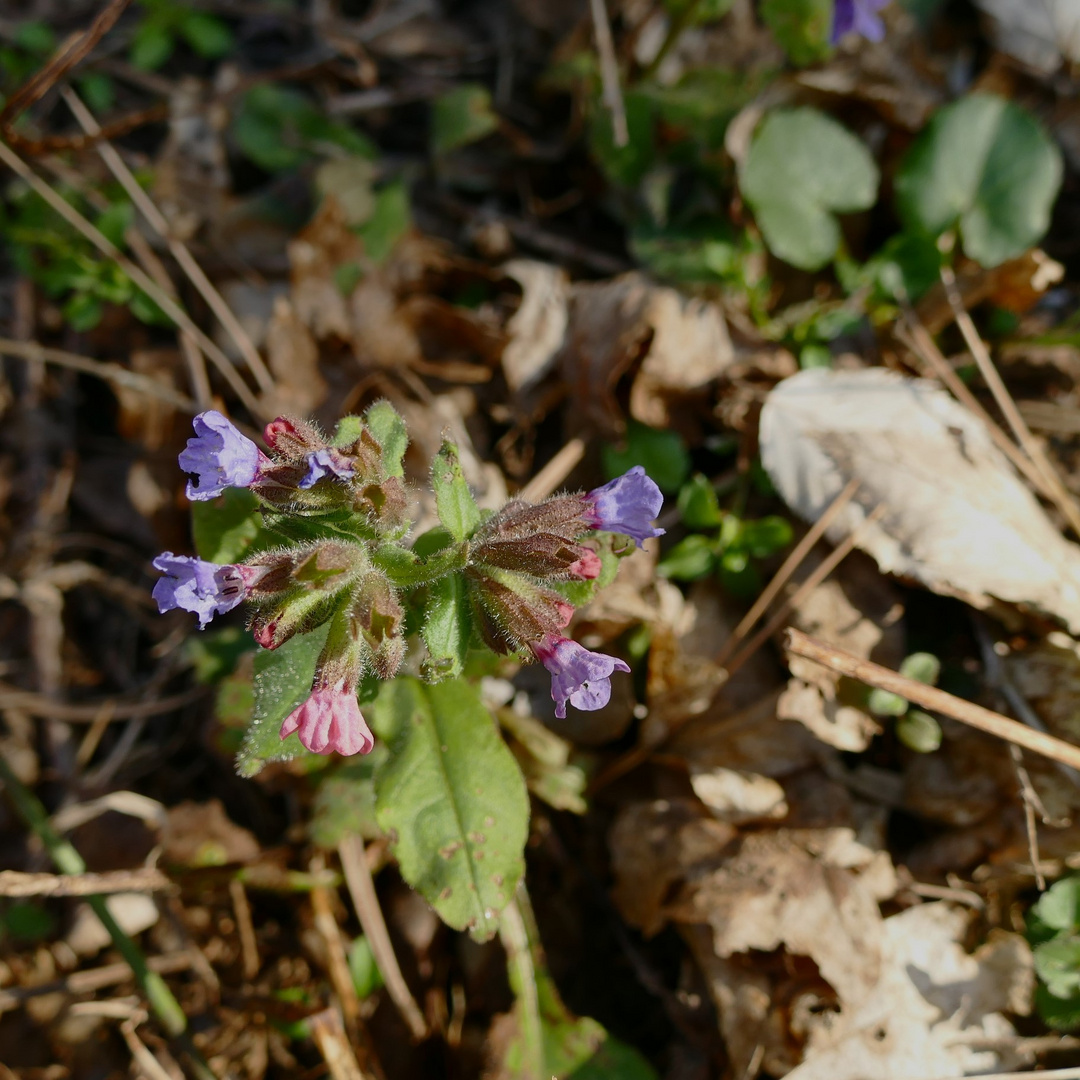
{"x":330,"y":722}
{"x":588,"y":566}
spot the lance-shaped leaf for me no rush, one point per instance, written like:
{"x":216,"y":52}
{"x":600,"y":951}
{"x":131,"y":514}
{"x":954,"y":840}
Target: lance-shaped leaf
{"x":282,"y":681}
{"x":457,"y":508}
{"x":986,"y":165}
{"x":447,"y":628}
{"x":803,"y":168}
{"x":390,"y":433}
{"x":453,"y":798}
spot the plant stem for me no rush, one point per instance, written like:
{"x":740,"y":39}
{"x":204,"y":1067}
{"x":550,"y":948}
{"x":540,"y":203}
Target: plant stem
{"x":679,"y":22}
{"x":514,"y":933}
{"x":411,"y":572}
{"x":69,"y":861}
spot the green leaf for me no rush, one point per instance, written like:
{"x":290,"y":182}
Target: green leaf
{"x":1059,"y":906}
{"x":1057,"y":963}
{"x":27,"y":922}
{"x":886,"y":703}
{"x":662,"y":453}
{"x":389,"y":221}
{"x":691,"y":558}
{"x":923,"y":667}
{"x":1061,"y":1014}
{"x":919,"y":731}
{"x":702,"y":252}
{"x":208,"y":36}
{"x":986,"y":165}
{"x":225,"y":528}
{"x":802,"y":27}
{"x":97,"y":90}
{"x":345,"y":802}
{"x":447,"y":629}
{"x":453,"y":799}
{"x":214,"y":654}
{"x":454,"y":502}
{"x":698,"y":504}
{"x":461,"y":116}
{"x":766,"y":536}
{"x":624,"y":165}
{"x":283,"y":678}
{"x":35,"y":37}
{"x":151,"y":46}
{"x":83,"y":312}
{"x":803,"y":168}
{"x":366,"y":976}
{"x":389,"y":431}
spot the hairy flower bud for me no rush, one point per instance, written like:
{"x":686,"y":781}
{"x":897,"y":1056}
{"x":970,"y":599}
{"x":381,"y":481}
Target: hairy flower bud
{"x":379,"y":618}
{"x":292,"y":439}
{"x":562,"y":516}
{"x":542,"y":555}
{"x":513,"y":611}
{"x":385,"y":503}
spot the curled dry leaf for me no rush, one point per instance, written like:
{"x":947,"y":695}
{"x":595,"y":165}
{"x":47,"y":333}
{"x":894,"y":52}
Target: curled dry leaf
{"x":739,"y":797}
{"x":683,"y":344}
{"x":537,"y":329}
{"x":857,"y":610}
{"x":957,"y":519}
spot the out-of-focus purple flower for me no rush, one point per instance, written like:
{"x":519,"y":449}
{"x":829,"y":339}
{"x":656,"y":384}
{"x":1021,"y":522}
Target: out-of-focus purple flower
{"x":627,"y":505}
{"x":327,"y":462}
{"x":330,"y":722}
{"x":206,"y":588}
{"x":858,"y":17}
{"x":219,"y":456}
{"x":581,"y":677}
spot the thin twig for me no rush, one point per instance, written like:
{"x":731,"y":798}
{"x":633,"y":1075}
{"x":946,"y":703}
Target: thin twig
{"x":102,"y":369}
{"x":11,"y":697}
{"x":930,"y":697}
{"x":185,"y":260}
{"x":918,"y":339}
{"x":249,"y":945}
{"x":554,"y":472}
{"x":1062,"y":497}
{"x":609,"y":73}
{"x":1030,"y":798}
{"x":337,"y":964}
{"x":72,"y":216}
{"x":787,"y":568}
{"x":328,"y":1034}
{"x":813,"y":580}
{"x":365,"y":900}
{"x":145,"y":879}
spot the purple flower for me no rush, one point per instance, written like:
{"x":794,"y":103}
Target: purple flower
{"x":205,"y":588}
{"x":329,"y":721}
{"x":581,"y":677}
{"x":219,"y":456}
{"x":325,"y":462}
{"x":626,"y":505}
{"x":859,"y":17}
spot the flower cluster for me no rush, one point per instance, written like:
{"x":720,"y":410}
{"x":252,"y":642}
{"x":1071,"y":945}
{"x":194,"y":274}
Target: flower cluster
{"x":333,"y":514}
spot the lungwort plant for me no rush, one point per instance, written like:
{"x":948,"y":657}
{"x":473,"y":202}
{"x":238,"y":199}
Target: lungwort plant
{"x":312,"y":535}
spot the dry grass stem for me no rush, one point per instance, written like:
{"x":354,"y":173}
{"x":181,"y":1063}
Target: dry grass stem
{"x":552,"y":475}
{"x":609,"y":73}
{"x":1061,"y":496}
{"x":249,"y":945}
{"x":147,"y":879}
{"x":185,"y":260}
{"x":11,"y":697}
{"x":787,"y":568}
{"x":328,"y":1032}
{"x":140,"y":277}
{"x":337,"y":962}
{"x":365,"y":900}
{"x":930,"y":697}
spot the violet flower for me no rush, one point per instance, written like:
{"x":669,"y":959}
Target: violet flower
{"x":859,"y":17}
{"x":205,"y":588}
{"x":325,"y":462}
{"x":627,"y":505}
{"x":581,"y":677}
{"x":329,"y":721}
{"x":219,"y":456}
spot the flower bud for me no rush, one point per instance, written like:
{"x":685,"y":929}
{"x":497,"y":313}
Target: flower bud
{"x":512,"y":610}
{"x":541,"y":555}
{"x":563,"y":516}
{"x":292,"y":439}
{"x":379,"y":617}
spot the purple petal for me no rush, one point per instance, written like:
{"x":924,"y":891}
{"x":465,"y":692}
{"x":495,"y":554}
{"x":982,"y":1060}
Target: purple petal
{"x":219,"y":457}
{"x":860,"y":17}
{"x":327,"y":462}
{"x":204,"y":588}
{"x":577,"y":675}
{"x":628,"y":505}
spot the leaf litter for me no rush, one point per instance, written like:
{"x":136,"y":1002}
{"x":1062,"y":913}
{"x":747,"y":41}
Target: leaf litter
{"x":761,"y":893}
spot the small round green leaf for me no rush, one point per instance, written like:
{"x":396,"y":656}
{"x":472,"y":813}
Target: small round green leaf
{"x":803,"y":168}
{"x":918,"y":731}
{"x":923,"y":667}
{"x":986,"y":165}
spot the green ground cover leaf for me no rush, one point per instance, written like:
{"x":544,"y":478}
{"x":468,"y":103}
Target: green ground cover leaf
{"x":457,"y":508}
{"x":453,"y":798}
{"x":802,"y":170}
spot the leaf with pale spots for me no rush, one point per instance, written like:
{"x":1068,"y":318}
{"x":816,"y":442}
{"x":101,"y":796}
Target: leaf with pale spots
{"x":457,"y":508}
{"x":453,"y":798}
